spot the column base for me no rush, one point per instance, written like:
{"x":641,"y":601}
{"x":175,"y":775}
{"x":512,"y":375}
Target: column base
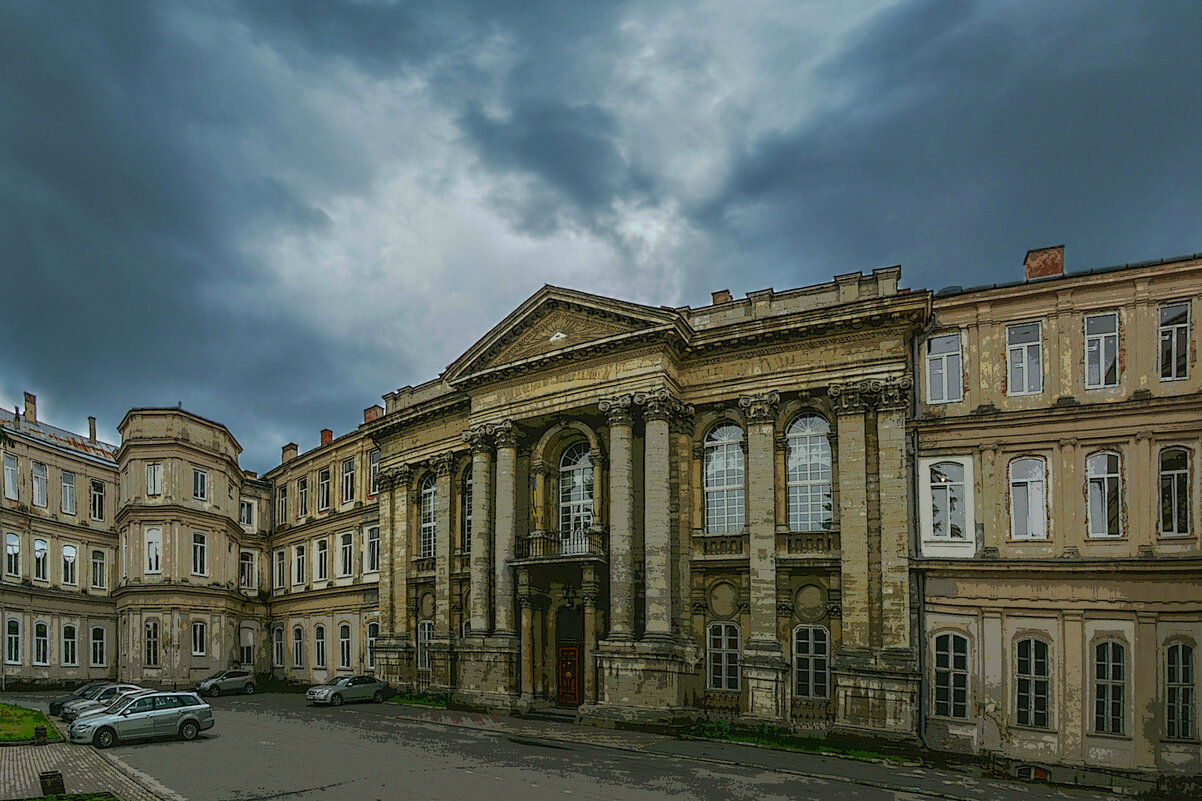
{"x":765,"y":673}
{"x":877,"y":695}
{"x":396,"y":662}
{"x":487,"y":673}
{"x":642,"y":684}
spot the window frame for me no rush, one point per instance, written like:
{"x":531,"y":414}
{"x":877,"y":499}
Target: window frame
{"x":427,"y":541}
{"x":1181,"y":693}
{"x":97,"y":499}
{"x":12,"y":486}
{"x":373,"y":550}
{"x":281,"y":568}
{"x":1179,"y":491}
{"x":321,"y":559}
{"x":800,"y":481}
{"x":246,"y":570}
{"x":70,"y":565}
{"x":373,"y":634}
{"x":154,"y":479}
{"x":281,"y":504}
{"x":730,"y":496}
{"x":323,"y":489}
{"x":348,"y":480}
{"x":1110,"y":684}
{"x":150,"y":644}
{"x":200,"y":484}
{"x":200,"y":548}
{"x":723,"y":665}
{"x":346,"y":554}
{"x":1100,"y":341}
{"x":298,"y":647}
{"x":1174,"y":330}
{"x":152,"y":539}
{"x":373,"y":472}
{"x":298,"y":564}
{"x":69,"y":656}
{"x":465,"y":498}
{"x":12,"y":641}
{"x":246,"y":513}
{"x":344,"y":646}
{"x":200,"y":638}
{"x":302,"y":497}
{"x":810,"y":665}
{"x":67,"y":492}
{"x":943,"y":359}
{"x":277,"y":647}
{"x":577,"y":492}
{"x":1103,"y":481}
{"x":102,"y":642}
{"x":40,"y":483}
{"x":425,"y":634}
{"x":41,"y":560}
{"x":945,"y":677}
{"x":1025,"y":350}
{"x":12,"y":554}
{"x":40,"y":655}
{"x":1042,"y":516}
{"x":102,"y":573}
{"x":319,"y":647}
{"x":1030,"y":685}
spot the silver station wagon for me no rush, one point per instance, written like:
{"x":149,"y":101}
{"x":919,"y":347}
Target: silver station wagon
{"x":141,"y":717}
{"x":349,"y":688}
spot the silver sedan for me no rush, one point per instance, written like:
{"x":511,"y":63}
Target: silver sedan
{"x":349,"y":688}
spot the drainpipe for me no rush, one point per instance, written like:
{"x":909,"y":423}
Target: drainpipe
{"x":915,"y":535}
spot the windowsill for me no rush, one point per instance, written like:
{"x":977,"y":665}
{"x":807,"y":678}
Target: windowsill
{"x":1034,"y":729}
{"x":1174,"y":380}
{"x":1174,"y":537}
{"x":1168,"y":741}
{"x":1108,"y":736}
{"x":371,"y":572}
{"x":1106,"y":538}
{"x":1032,"y":394}
{"x":1103,"y":386}
{"x":944,"y":402}
{"x":947,"y":719}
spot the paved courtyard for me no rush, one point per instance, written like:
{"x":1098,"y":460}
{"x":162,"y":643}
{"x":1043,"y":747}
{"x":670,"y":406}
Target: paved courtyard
{"x":275,"y":747}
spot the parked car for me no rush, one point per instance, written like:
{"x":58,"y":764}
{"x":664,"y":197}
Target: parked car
{"x":143,"y":716}
{"x":100,"y":700}
{"x":227,"y":681}
{"x":349,"y":688}
{"x":56,"y":706}
{"x":114,"y":702}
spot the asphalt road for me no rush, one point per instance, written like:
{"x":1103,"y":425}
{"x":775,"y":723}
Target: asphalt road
{"x":275,"y":747}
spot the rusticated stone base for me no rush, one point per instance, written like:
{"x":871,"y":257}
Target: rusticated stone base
{"x":876,"y":696}
{"x":488,"y":674}
{"x":396,"y":662}
{"x":766,"y":675}
{"x":644,"y":684}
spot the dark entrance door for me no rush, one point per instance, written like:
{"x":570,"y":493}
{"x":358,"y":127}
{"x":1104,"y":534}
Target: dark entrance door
{"x":569,"y":655}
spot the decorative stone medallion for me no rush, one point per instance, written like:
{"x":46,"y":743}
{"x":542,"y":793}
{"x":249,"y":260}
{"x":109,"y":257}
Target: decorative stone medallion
{"x":810,"y":603}
{"x":426,"y":606}
{"x":724,"y":599}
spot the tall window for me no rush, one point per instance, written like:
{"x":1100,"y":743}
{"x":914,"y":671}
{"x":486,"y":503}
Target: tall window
{"x":154,"y":550}
{"x":724,"y":500}
{"x":281,"y":569}
{"x":944,"y":383}
{"x":298,"y":565}
{"x":425,"y":633}
{"x":41,"y":644}
{"x":281,"y":505}
{"x":152,"y":643}
{"x":12,"y":641}
{"x":298,"y":647}
{"x":808,"y":474}
{"x":373,"y":472}
{"x":722,"y":656}
{"x":322,"y":559}
{"x":948,"y":510}
{"x":69,"y":558}
{"x":98,"y":570}
{"x":1110,"y":683}
{"x":319,"y":646}
{"x":1179,"y":692}
{"x":1105,"y":495}
{"x":97,"y":500}
{"x":98,"y":642}
{"x":68,"y":493}
{"x":466,"y":528}
{"x":41,"y":560}
{"x":951,"y":676}
{"x":373,"y":632}
{"x":200,"y":485}
{"x":1101,"y":350}
{"x":1032,"y":685}
{"x":302,"y":497}
{"x":344,"y":647}
{"x":246,"y":513}
{"x":323,"y":489}
{"x":346,"y":554}
{"x":200,"y":564}
{"x":39,"y":484}
{"x":428,"y":532}
{"x":277,"y":647}
{"x":154,"y":479}
{"x":1024,"y":359}
{"x":373,"y":549}
{"x":348,"y":480}
{"x":70,"y":656}
{"x":10,"y":477}
{"x":246,"y":570}
{"x":1174,"y":492}
{"x":575,"y":498}
{"x":1028,"y":499}
{"x":1174,"y":342}
{"x":811,"y":657}
{"x":12,"y":554}
{"x":199,"y":638}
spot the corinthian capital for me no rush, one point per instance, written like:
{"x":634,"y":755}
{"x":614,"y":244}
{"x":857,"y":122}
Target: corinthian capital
{"x":395,"y":477}
{"x":442,"y":463}
{"x":895,"y":392}
{"x":848,"y":398}
{"x":479,"y":438}
{"x":618,"y":410}
{"x":506,"y":434}
{"x":760,"y":408}
{"x":659,"y":404}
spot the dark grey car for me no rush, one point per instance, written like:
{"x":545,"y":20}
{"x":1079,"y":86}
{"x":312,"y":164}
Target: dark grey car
{"x":349,"y":688}
{"x":227,"y":681}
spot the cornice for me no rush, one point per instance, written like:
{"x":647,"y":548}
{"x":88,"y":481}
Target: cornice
{"x":1086,"y":411}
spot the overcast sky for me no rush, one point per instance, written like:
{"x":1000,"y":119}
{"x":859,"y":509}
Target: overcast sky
{"x":278,"y":211}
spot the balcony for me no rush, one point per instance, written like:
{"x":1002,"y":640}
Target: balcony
{"x":807,"y":545}
{"x":584,"y":543}
{"x":731,"y":545}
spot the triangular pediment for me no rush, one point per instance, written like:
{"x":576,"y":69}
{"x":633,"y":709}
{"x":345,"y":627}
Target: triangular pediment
{"x":555,"y":321}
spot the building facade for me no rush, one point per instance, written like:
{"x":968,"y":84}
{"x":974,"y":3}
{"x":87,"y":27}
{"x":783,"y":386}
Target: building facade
{"x":846,"y":509}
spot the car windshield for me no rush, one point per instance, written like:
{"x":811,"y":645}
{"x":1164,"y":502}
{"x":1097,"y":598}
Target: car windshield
{"x":84,"y":690}
{"x":216,"y":675}
{"x":95,"y":691}
{"x":117,"y":704}
{"x":342,"y":682}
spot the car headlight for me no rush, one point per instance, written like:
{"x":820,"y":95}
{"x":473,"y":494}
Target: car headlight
{"x":323,"y":692}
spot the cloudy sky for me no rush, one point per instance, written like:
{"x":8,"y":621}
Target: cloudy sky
{"x":277,"y":211}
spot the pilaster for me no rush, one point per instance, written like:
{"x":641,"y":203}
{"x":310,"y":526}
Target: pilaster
{"x":506,"y":435}
{"x":482,"y":508}
{"x":619,"y":413}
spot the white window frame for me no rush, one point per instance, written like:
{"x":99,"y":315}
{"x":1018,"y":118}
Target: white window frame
{"x":101,"y":659}
{"x":99,"y":577}
{"x":1033,"y":683}
{"x":808,"y":476}
{"x":348,"y":480}
{"x":1109,"y":690}
{"x":1019,"y":356}
{"x":428,"y":518}
{"x":1101,"y":482}
{"x":154,"y":478}
{"x":97,"y":499}
{"x":373,"y":633}
{"x":41,"y":560}
{"x":154,"y":550}
{"x":12,"y":554}
{"x":150,"y":643}
{"x":277,"y":647}
{"x":465,"y":496}
{"x":246,"y":513}
{"x":41,"y":644}
{"x":1180,"y":691}
{"x":723,"y":643}
{"x":200,"y":484}
{"x":946,"y":547}
{"x":373,"y":550}
{"x":11,"y":487}
{"x":323,"y":489}
{"x":39,"y":472}
{"x":319,"y":646}
{"x":281,"y":504}
{"x":70,"y":565}
{"x":344,"y":646}
{"x":1175,"y":488}
{"x":373,"y":472}
{"x":321,"y":559}
{"x":298,"y":647}
{"x":246,"y":570}
{"x":724,"y":474}
{"x":302,"y":497}
{"x":953,"y":674}
{"x":1176,"y":332}
{"x":12,"y":641}
{"x":1100,"y":344}
{"x":1035,"y":515}
{"x":67,"y":488}
{"x":70,"y":645}
{"x":943,"y":362}
{"x":200,"y":638}
{"x":346,"y":554}
{"x":200,"y":553}
{"x":811,"y":662}
{"x":298,"y":564}
{"x":281,"y":569}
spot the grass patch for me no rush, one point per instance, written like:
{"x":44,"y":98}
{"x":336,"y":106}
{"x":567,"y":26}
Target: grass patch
{"x":785,"y":740}
{"x":440,"y":700}
{"x":16,"y":724}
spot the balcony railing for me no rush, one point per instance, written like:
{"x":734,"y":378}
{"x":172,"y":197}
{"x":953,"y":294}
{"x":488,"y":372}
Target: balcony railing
{"x":731,"y":545}
{"x":807,"y":543}
{"x":560,"y":544}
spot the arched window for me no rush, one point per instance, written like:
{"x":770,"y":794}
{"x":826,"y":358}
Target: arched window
{"x":298,"y":647}
{"x":811,"y":662}
{"x":808,"y":474}
{"x":199,"y":638}
{"x":69,"y":576}
{"x":152,"y":643}
{"x":12,"y":642}
{"x":373,"y":633}
{"x":951,"y":676}
{"x":1105,"y":495}
{"x":1110,"y":687}
{"x":277,"y":647}
{"x":425,"y":633}
{"x":98,"y":639}
{"x":70,"y":656}
{"x":466,"y":495}
{"x":1032,"y":685}
{"x":319,"y":646}
{"x":428,"y":533}
{"x":1179,"y":692}
{"x":41,"y":644}
{"x":722,"y":656}
{"x":724,"y":501}
{"x":41,"y":560}
{"x":1028,"y":499}
{"x":12,"y":554}
{"x":575,"y":498}
{"x":344,"y":647}
{"x":948,"y":501}
{"x":1174,"y":492}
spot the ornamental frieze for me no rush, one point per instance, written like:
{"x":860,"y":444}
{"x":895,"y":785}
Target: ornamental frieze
{"x":858,"y":397}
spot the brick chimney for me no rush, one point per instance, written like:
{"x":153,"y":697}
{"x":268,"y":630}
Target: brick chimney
{"x":31,"y":407}
{"x":721,"y":296}
{"x":372,"y":413}
{"x":91,"y":429}
{"x":288,"y":453}
{"x":1044,"y":262}
{"x":327,"y":436}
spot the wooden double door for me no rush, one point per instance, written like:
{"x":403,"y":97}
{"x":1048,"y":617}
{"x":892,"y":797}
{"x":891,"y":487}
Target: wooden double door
{"x":569,"y":660}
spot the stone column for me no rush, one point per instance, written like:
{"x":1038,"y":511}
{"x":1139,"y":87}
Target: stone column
{"x":589,"y":596}
{"x":618,"y":411}
{"x":853,"y":514}
{"x":394,"y":538}
{"x":443,"y":544}
{"x":481,"y":559}
{"x":506,"y":521}
{"x":895,"y":528}
{"x":761,"y":513}
{"x":527,"y":634}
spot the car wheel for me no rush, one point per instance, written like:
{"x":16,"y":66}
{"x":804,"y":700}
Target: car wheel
{"x":188,"y":730}
{"x":215,"y":691}
{"x":249,"y":689}
{"x":335,"y":700}
{"x":378,"y":698}
{"x":104,"y":738}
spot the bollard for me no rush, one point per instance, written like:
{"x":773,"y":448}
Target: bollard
{"x":39,"y":735}
{"x":52,"y":782}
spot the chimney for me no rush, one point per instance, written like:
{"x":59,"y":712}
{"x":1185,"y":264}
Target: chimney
{"x":91,"y":429}
{"x":31,"y":407}
{"x":288,"y":453}
{"x":1044,"y":262}
{"x":372,"y":413}
{"x":327,"y":436}
{"x":721,"y":296}
{"x":251,"y":474}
